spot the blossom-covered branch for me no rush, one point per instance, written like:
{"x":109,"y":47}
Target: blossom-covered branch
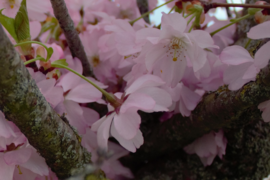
{"x":219,"y":109}
{"x":23,"y":104}
{"x":73,"y":40}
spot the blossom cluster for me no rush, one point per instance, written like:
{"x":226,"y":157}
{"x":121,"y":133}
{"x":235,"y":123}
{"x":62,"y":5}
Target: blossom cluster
{"x":143,"y":67}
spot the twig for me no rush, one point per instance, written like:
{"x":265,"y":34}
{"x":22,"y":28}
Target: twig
{"x":75,"y":45}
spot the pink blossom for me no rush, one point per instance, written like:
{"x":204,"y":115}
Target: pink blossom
{"x":173,"y":49}
{"x":152,"y":4}
{"x":77,"y":90}
{"x":123,"y":122}
{"x":35,"y":28}
{"x":103,"y":67}
{"x":16,"y":153}
{"x":223,"y":38}
{"x":259,"y":31}
{"x":208,"y":146}
{"x":112,"y":167}
{"x":243,"y":68}
{"x":11,"y":7}
{"x":265,"y":108}
{"x":37,"y":9}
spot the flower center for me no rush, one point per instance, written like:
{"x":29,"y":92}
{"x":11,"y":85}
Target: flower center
{"x":177,"y":48}
{"x":95,"y":61}
{"x":11,"y":3}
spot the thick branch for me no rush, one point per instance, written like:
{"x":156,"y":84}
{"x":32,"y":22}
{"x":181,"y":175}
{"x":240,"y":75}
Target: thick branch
{"x":220,"y":109}
{"x":23,"y":104}
{"x":75,"y":45}
{"x":246,"y":158}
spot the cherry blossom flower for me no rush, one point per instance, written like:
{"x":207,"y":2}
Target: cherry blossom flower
{"x":265,"y":108}
{"x":123,"y":121}
{"x":259,"y":32}
{"x":11,"y":7}
{"x":17,"y":157}
{"x":36,"y":8}
{"x":170,"y":52}
{"x":111,"y":166}
{"x":77,"y":91}
{"x":208,"y":146}
{"x":243,"y":68}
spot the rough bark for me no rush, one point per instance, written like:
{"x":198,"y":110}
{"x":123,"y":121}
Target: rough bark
{"x":22,"y":103}
{"x":75,"y":45}
{"x":143,"y":7}
{"x":219,"y":109}
{"x":247,"y":158}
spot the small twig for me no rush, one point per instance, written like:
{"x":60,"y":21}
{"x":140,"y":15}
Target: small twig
{"x":208,"y":6}
{"x":75,"y":45}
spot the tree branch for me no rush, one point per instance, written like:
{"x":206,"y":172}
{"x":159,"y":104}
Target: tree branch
{"x":220,"y":109}
{"x":246,"y":158}
{"x":143,"y":7}
{"x":23,"y":104}
{"x":75,"y":45}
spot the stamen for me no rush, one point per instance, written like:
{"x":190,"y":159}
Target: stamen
{"x":20,"y":172}
{"x":11,"y":6}
{"x":174,"y":55}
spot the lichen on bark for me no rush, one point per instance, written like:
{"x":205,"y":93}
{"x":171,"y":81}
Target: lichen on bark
{"x":22,"y":103}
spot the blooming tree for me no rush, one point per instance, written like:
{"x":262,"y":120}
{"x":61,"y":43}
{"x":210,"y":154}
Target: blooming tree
{"x":90,"y":89}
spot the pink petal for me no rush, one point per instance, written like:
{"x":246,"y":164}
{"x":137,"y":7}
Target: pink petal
{"x":20,"y":173}
{"x":37,"y":164}
{"x":75,"y":116}
{"x":175,"y":20}
{"x":147,"y":80}
{"x":90,"y":115}
{"x":128,"y":144}
{"x":98,"y":123}
{"x":202,"y":39}
{"x":183,"y":109}
{"x":84,"y":93}
{"x":263,"y":105}
{"x":233,"y":76}
{"x":6,"y":172}
{"x":197,"y":56}
{"x":17,"y":157}
{"x":138,"y":101}
{"x":127,"y":124}
{"x":55,"y":96}
{"x":190,"y":98}
{"x":68,"y":81}
{"x":103,"y":132}
{"x":251,"y":72}
{"x":153,"y":55}
{"x":46,"y":85}
{"x":235,"y":55}
{"x":144,"y":33}
{"x":259,"y":31}
{"x":161,"y":97}
{"x":262,"y":56}
{"x":5,"y":129}
{"x":207,"y":161}
{"x":138,"y":139}
{"x":35,"y":28}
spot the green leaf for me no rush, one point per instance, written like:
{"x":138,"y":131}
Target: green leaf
{"x":8,"y":23}
{"x":49,"y":53}
{"x":59,"y":63}
{"x":21,"y":23}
